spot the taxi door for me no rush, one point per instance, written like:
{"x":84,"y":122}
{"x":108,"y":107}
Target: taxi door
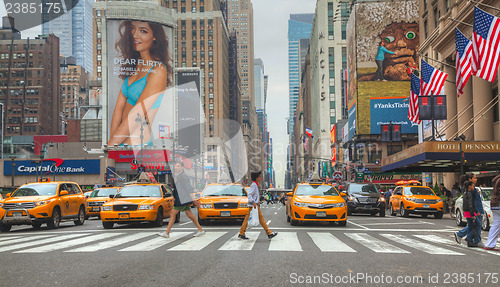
{"x":66,"y":205}
{"x":396,"y":198}
{"x":168,"y":200}
{"x":78,"y":198}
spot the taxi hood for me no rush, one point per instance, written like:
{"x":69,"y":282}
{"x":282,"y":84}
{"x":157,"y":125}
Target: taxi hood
{"x":212,"y":199}
{"x":133,"y":200}
{"x":319,"y":199}
{"x":21,"y":199}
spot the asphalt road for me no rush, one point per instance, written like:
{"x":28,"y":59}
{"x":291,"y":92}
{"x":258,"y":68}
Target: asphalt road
{"x":369,"y":251}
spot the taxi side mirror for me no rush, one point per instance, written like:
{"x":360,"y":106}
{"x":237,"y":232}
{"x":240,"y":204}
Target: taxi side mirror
{"x":343,"y":194}
{"x":168,"y":195}
{"x":63,"y":192}
{"x":289,"y":194}
{"x":7,"y":195}
{"x":111,"y":196}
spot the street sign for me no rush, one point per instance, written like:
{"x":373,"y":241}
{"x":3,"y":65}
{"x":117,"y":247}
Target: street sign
{"x":360,"y":176}
{"x":337,"y":176}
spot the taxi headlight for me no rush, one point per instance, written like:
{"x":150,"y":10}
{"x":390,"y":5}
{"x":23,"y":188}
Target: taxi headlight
{"x":439,"y":200}
{"x":299,"y":204}
{"x":340,"y":204}
{"x":38,"y":203}
{"x":411,"y":199}
{"x":107,"y":208}
{"x":206,"y":206}
{"x":146,"y":207}
{"x":243,"y":205}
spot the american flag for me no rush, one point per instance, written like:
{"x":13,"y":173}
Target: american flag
{"x":432,"y":82}
{"x":305,"y":141}
{"x":463,"y":58}
{"x":414,"y":93}
{"x":485,"y":45}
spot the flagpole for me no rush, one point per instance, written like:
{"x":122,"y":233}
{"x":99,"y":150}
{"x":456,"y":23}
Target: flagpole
{"x":485,"y":5}
{"x":458,"y":21}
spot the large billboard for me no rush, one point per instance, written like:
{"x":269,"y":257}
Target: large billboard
{"x":387,"y":110}
{"x":381,"y":46}
{"x":189,"y":114}
{"x":140,"y":76}
{"x":52,"y":166}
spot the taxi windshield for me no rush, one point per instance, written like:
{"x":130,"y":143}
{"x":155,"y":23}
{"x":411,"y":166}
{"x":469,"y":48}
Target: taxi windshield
{"x":362,"y":188}
{"x":416,"y":190}
{"x":36,"y":190}
{"x":224,"y":190}
{"x":103,"y":192}
{"x":139,"y":191}
{"x":316,"y":190}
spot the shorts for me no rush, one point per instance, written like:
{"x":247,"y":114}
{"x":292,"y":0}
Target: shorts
{"x":183,"y":208}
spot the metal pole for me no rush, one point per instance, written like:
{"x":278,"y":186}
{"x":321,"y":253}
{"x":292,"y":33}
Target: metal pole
{"x":12,"y":158}
{"x":2,"y":127}
{"x":54,"y":165}
{"x":462,"y":172}
{"x":24,"y":86}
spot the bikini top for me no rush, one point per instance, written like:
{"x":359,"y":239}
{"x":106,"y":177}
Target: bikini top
{"x":133,"y":91}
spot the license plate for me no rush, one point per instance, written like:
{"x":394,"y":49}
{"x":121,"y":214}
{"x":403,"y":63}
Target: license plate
{"x":124,"y":216}
{"x":320,"y":214}
{"x":17,"y":214}
{"x":368,"y":206}
{"x":95,"y":208}
{"x":426,"y":206}
{"x":225,"y":213}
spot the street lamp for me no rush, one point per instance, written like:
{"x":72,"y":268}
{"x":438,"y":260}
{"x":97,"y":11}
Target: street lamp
{"x":142,"y":122}
{"x":462,"y":155}
{"x":43,"y":153}
{"x":12,"y":158}
{"x":3,"y":120}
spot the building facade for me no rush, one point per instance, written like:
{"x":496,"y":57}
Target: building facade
{"x":74,"y":30}
{"x":29,"y":89}
{"x":74,"y":83}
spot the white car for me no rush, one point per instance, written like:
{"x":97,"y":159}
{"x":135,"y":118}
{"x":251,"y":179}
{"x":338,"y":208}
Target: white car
{"x":487,"y":218}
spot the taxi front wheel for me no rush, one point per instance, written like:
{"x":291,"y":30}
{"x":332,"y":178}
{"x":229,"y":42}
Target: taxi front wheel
{"x":54,"y":221}
{"x":5,"y":227}
{"x":81,"y":216}
{"x":107,"y":225}
{"x":343,"y":223}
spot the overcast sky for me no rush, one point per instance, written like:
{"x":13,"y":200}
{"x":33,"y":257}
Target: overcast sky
{"x":271,"y":45}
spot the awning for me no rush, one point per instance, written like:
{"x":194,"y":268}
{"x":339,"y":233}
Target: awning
{"x":442,"y":156}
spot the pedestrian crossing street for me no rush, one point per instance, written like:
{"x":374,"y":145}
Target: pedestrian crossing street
{"x":339,"y":242}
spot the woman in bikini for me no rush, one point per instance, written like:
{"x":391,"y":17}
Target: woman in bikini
{"x":144,"y":49}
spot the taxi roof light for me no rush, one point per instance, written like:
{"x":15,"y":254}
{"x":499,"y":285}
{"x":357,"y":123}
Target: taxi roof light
{"x":44,"y":180}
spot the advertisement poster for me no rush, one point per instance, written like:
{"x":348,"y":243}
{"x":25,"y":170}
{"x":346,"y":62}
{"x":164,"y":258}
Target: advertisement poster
{"x":189,"y":113}
{"x":139,"y":80}
{"x":386,"y":43}
{"x":390,"y":110}
{"x":352,"y":121}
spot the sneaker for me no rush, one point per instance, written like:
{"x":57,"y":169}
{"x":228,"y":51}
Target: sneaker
{"x":458,"y":239}
{"x":163,"y":234}
{"x":491,"y":248}
{"x":480,"y":244}
{"x":242,"y":236}
{"x":199,"y":233}
{"x":272,"y":235}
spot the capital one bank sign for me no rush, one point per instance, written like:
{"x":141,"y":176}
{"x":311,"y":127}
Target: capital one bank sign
{"x":53,"y":166}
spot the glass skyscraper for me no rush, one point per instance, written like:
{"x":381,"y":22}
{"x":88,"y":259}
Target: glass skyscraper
{"x":299,"y":27}
{"x":74,"y":30}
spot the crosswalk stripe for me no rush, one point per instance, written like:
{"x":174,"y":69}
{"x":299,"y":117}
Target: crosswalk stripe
{"x":67,"y":244}
{"x":326,"y":242}
{"x":436,"y":239}
{"x":375,"y":244}
{"x":156,"y":242}
{"x":111,"y":243}
{"x":285,"y":241}
{"x":198,"y":243}
{"x":422,"y":246}
{"x":8,"y":238}
{"x":14,"y":241}
{"x":40,"y":242}
{"x":238,"y":244}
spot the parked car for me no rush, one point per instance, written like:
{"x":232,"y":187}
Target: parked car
{"x":43,"y":202}
{"x":364,"y":198}
{"x":413,"y":198}
{"x":315,"y":202}
{"x":487,"y":219}
{"x":223,"y":202}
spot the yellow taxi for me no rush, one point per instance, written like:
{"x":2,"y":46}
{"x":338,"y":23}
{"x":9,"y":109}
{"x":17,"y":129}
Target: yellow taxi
{"x":316,"y":202}
{"x":410,"y":197}
{"x":43,"y":202}
{"x":98,"y":197}
{"x":222,"y":202}
{"x":136,"y":203}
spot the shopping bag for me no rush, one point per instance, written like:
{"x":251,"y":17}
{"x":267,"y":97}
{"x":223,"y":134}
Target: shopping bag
{"x":253,"y":220}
